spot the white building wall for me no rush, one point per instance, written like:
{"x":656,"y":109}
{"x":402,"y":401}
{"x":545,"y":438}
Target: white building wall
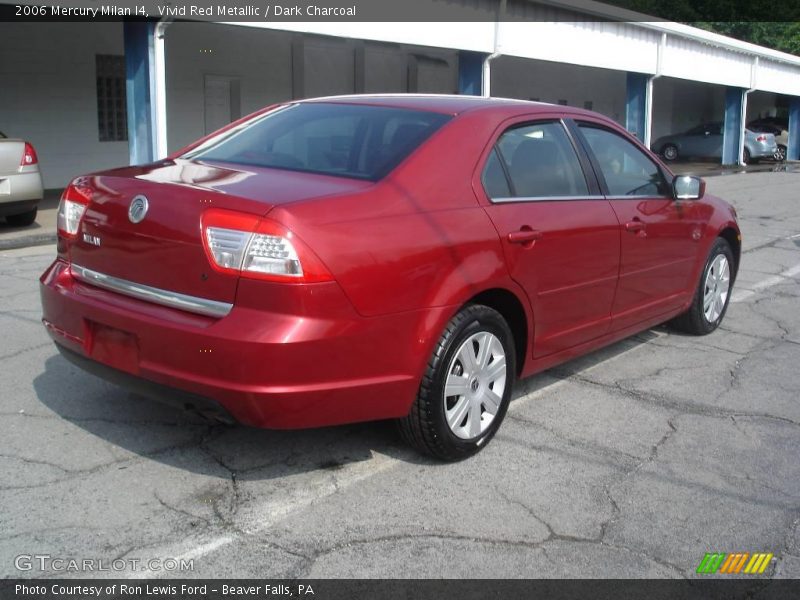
{"x":261,"y":63}
{"x":464,"y":35}
{"x":688,"y":59}
{"x":385,"y":69}
{"x":778,"y":77}
{"x":551,"y":82}
{"x":622,"y":46}
{"x":48,"y":94}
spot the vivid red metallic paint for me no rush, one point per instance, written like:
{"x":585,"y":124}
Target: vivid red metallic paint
{"x":405,"y":253}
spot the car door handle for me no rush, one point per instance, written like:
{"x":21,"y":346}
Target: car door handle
{"x":634,"y":226}
{"x":524,"y":236}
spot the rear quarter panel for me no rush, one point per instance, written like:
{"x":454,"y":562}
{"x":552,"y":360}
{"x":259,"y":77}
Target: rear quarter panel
{"x":417,"y":239}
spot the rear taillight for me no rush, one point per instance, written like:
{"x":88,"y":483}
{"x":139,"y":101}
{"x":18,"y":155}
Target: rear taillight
{"x":28,"y":156}
{"x":73,"y":203}
{"x":258,"y":248}
{"x":761,"y":138}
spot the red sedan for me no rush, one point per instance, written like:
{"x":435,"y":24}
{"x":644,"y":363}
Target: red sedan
{"x":372,"y":257}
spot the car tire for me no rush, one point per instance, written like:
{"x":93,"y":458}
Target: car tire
{"x":713,"y":293}
{"x":477,"y":347}
{"x":746,"y":157}
{"x":670,"y":152}
{"x":22,"y":219}
{"x":780,"y":153}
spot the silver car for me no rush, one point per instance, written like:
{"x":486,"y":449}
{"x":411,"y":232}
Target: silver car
{"x":20,"y":181}
{"x":776,"y":128}
{"x":705,"y":141}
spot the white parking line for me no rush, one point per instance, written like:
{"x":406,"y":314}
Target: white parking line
{"x":744,"y":294}
{"x":261,"y":517}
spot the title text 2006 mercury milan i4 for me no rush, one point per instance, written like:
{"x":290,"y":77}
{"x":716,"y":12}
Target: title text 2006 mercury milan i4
{"x":370,"y":257}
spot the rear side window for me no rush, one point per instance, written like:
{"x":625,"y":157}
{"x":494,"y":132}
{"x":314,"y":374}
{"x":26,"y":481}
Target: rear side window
{"x":626,"y":169}
{"x":539,"y":162}
{"x":494,"y":178}
{"x":364,"y":142}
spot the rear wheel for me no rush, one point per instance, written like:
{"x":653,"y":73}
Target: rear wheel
{"x":746,"y":157}
{"x":670,"y":152}
{"x":712,"y":295}
{"x":466,"y":388}
{"x":780,"y":153}
{"x":22,"y":219}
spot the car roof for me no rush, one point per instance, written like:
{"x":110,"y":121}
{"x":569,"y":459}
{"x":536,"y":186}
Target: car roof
{"x":447,"y":103}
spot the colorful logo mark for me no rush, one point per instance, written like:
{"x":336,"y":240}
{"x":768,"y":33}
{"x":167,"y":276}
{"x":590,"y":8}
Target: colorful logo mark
{"x":735,"y":563}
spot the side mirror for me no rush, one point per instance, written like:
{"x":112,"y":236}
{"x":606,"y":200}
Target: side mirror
{"x":685,"y":187}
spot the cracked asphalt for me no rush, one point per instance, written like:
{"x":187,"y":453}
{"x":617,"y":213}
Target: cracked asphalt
{"x":633,"y":461}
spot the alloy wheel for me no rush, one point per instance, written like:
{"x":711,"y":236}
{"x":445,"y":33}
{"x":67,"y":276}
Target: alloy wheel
{"x":716,"y":288}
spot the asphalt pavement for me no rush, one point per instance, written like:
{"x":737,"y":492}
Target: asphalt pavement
{"x":633,"y":461}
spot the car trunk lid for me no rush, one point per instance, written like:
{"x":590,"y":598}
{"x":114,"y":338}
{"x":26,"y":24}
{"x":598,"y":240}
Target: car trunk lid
{"x":165,"y":250}
{"x":10,"y":156}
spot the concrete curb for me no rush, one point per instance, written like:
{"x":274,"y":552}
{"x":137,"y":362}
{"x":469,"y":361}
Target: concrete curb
{"x":36,"y":239}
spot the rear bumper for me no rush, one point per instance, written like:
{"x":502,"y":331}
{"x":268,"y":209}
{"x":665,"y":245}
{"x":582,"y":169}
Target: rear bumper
{"x":165,"y":394}
{"x":316,"y":363}
{"x":18,"y":188}
{"x":762,"y":150}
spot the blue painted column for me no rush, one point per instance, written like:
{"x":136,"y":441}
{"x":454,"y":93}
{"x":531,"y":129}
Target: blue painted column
{"x":793,"y":148}
{"x":470,"y":72}
{"x":733,"y":129}
{"x":636,"y":104}
{"x":140,"y":91}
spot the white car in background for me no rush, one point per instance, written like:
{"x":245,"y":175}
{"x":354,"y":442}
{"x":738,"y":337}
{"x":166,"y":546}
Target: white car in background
{"x":20,"y":181}
{"x":777,"y":127}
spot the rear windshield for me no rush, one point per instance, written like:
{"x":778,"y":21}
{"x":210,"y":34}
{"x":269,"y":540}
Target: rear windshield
{"x":364,"y":142}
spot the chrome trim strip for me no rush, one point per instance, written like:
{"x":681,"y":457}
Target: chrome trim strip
{"x":506,"y":200}
{"x":639,"y":197}
{"x":201,"y":306}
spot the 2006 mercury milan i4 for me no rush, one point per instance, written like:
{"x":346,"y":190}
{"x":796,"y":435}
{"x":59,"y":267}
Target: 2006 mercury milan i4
{"x":370,"y":257}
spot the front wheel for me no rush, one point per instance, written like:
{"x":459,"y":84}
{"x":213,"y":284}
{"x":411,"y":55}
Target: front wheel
{"x":712,"y":295}
{"x":780,"y":153}
{"x":466,"y":388}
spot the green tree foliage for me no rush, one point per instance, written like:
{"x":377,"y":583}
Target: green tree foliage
{"x":779,"y":36}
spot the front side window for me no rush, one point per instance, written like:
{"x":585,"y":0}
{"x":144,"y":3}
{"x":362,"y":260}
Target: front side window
{"x":626,"y":169}
{"x":347,"y":140}
{"x":538,"y":161}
